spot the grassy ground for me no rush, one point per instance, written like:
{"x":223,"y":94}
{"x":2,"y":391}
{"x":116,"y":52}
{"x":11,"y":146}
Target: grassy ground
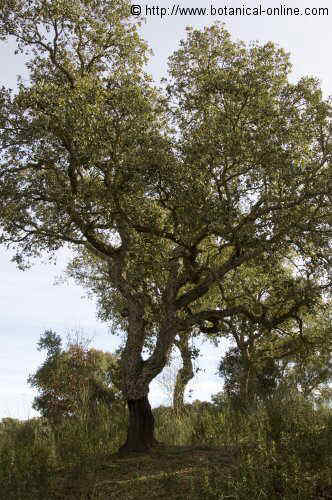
{"x":279,"y":450}
{"x":164,"y":473}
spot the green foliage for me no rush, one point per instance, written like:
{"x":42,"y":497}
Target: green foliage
{"x":27,"y":458}
{"x":51,"y":342}
{"x":73,"y":379}
{"x":263,"y":361}
{"x":284,"y":451}
{"x":90,"y":152}
{"x":175,"y":429}
{"x":281,"y":450}
{"x":34,"y":454}
{"x":87,"y":100}
{"x":240,"y":383}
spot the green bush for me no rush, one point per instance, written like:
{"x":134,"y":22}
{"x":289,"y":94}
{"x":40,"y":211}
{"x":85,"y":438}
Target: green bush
{"x":284,"y":452}
{"x":172,"y":428}
{"x":27,"y":459}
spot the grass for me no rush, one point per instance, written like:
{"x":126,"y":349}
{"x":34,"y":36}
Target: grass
{"x":281,"y":449}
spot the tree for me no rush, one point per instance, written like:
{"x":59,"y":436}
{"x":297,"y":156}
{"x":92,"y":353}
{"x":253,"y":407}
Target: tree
{"x":178,"y":372}
{"x":170,"y":192}
{"x":186,"y":372}
{"x":72,"y":379}
{"x":256,"y":367}
{"x":270,"y":287}
{"x":167,"y":378}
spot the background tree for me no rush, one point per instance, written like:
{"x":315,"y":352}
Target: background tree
{"x":74,"y":379}
{"x":167,"y":378}
{"x":171,"y":192}
{"x":255,"y":368}
{"x":179,"y":371}
{"x":186,"y":372}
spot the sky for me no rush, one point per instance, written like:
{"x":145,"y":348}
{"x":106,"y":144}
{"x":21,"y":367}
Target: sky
{"x":30,"y":302}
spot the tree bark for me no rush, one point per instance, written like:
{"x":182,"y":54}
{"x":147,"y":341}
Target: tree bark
{"x":136,"y":373}
{"x":140,"y":435}
{"x":184,"y":375}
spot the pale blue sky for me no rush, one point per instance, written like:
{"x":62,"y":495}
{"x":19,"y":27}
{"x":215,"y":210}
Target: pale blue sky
{"x":29,"y":303}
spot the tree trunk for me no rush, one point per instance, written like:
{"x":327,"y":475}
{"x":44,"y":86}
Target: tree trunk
{"x":136,"y":375}
{"x":140,"y":436}
{"x":184,"y":375}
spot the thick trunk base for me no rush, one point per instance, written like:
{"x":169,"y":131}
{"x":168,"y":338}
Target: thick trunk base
{"x":140,"y":437}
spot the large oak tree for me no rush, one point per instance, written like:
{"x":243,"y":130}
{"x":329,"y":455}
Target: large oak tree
{"x":172,"y":190}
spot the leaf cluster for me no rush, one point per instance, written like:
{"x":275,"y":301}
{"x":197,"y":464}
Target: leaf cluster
{"x":72,"y":378}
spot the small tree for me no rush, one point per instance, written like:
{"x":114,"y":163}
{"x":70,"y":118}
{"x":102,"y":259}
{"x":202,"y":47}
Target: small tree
{"x":72,"y":379}
{"x":186,"y":372}
{"x":178,"y":372}
{"x":255,"y":368}
{"x":243,"y":381}
{"x":167,"y":378}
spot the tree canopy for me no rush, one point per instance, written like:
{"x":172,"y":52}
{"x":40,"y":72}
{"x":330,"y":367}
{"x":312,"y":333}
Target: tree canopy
{"x":258,"y":366}
{"x":172,"y":190}
{"x":74,"y":379}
